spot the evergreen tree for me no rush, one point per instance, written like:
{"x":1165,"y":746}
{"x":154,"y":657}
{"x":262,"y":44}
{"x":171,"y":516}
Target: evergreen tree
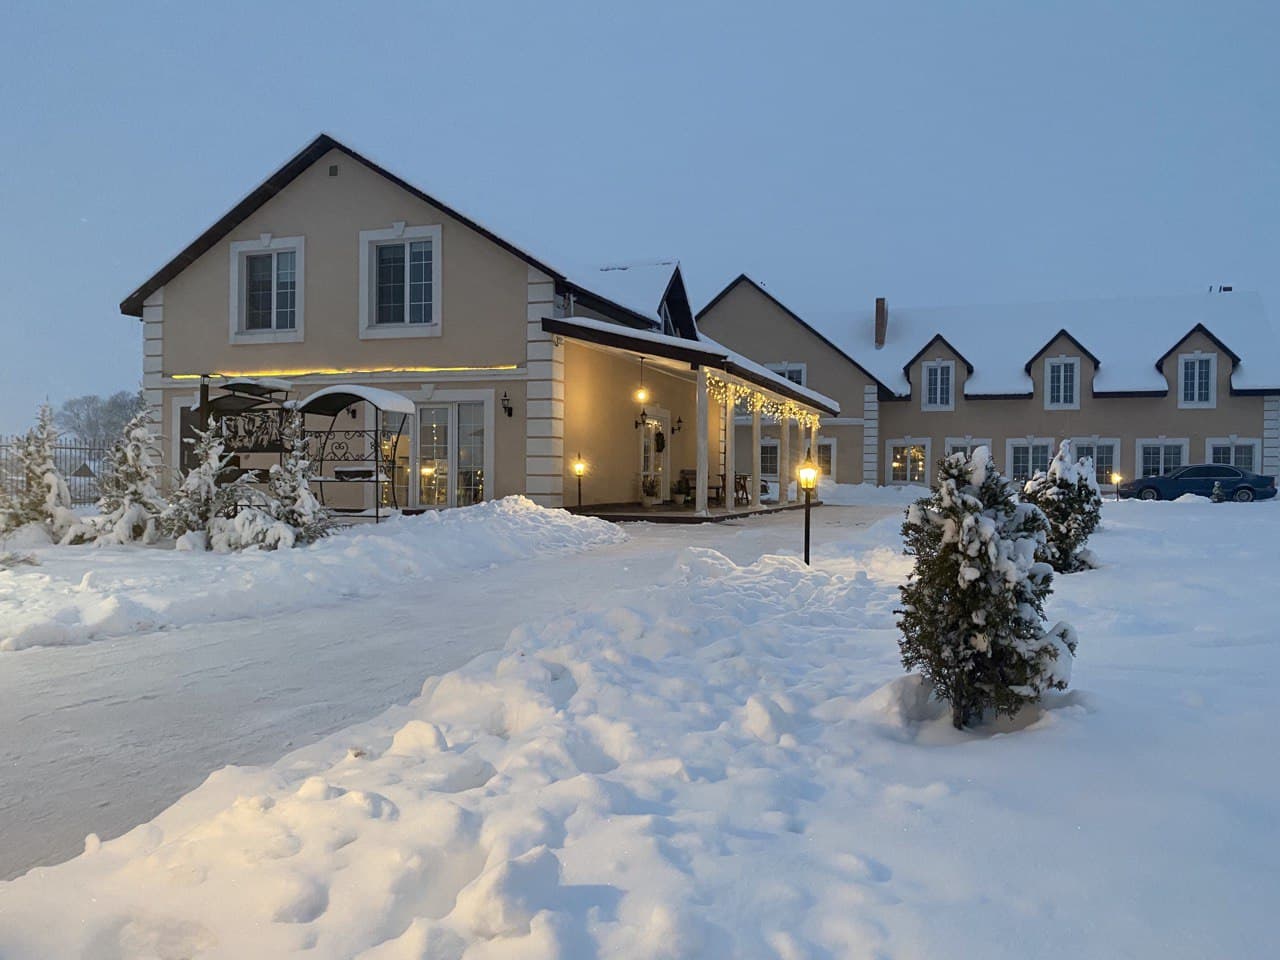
{"x":972,"y":614}
{"x":199,"y":498}
{"x":42,"y":496}
{"x":1068,"y":496}
{"x":289,"y":488}
{"x":130,"y":503}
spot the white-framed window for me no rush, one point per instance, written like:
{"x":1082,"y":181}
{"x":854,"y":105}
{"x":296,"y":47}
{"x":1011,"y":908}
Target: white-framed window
{"x":769,"y":458}
{"x":1244,"y":453}
{"x":827,"y":456}
{"x":1062,"y":383}
{"x":938,"y":389}
{"x":668,"y":325}
{"x":400,"y":282}
{"x":1105,"y":453}
{"x":1155,"y":456}
{"x":795,"y":372}
{"x":1197,"y":380}
{"x":907,"y":460}
{"x":266,"y":294}
{"x":1027,"y":455}
{"x":966,"y":445}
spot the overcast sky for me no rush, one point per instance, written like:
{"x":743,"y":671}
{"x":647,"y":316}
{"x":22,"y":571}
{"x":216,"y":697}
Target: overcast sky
{"x":932,"y":153}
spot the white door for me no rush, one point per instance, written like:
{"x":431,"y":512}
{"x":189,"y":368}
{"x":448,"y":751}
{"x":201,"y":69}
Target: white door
{"x":451,"y":454}
{"x":655,"y":452}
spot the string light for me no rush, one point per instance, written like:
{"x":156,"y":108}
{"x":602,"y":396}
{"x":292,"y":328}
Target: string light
{"x":727,"y":392}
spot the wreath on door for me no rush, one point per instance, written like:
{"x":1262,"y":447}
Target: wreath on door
{"x":659,"y":441}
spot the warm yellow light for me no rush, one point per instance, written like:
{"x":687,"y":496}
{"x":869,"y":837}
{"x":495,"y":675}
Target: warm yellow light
{"x":642,"y":395}
{"x":579,"y":468}
{"x":337,"y":371}
{"x":1116,"y":478}
{"x":808,"y":475}
{"x":428,"y":471}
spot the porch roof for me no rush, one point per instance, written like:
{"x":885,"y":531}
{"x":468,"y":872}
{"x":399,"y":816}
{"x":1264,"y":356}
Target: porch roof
{"x":700,"y":352}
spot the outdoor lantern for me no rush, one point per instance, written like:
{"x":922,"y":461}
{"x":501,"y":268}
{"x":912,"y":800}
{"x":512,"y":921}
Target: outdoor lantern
{"x":1115,"y":482}
{"x":579,"y":468}
{"x":677,"y":426}
{"x":506,"y":404}
{"x":641,"y":394}
{"x":808,"y":477}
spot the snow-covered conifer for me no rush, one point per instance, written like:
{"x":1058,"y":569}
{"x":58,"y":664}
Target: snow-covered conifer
{"x":1068,"y":496}
{"x":42,"y":496}
{"x":130,"y":504}
{"x":972,"y":614}
{"x":199,"y":497}
{"x":290,"y":491}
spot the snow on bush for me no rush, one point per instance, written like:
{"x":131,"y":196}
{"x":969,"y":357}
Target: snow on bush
{"x":292,"y":502}
{"x":1068,"y":496}
{"x":42,"y":496}
{"x":972,"y":616}
{"x":200,"y":496}
{"x":77,"y":595}
{"x":130,"y":504}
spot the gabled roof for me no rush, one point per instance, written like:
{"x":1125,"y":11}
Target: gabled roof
{"x":743,"y":278}
{"x":639,"y":286}
{"x":274,"y":184}
{"x":937,"y":338}
{"x":1084,"y":351}
{"x":1128,"y":339}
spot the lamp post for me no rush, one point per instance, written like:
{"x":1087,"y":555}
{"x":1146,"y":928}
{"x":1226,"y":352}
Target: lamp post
{"x":1115,"y":482}
{"x":579,"y":468}
{"x":808,"y":476}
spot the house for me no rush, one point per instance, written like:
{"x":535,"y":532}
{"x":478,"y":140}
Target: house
{"x":1141,"y":385}
{"x":501,"y":367}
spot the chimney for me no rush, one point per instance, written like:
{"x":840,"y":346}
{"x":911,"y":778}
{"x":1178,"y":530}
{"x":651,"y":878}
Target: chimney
{"x":882,"y":321}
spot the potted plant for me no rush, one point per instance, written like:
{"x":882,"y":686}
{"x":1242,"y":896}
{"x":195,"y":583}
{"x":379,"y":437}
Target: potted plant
{"x":679,"y":492}
{"x":649,"y":490}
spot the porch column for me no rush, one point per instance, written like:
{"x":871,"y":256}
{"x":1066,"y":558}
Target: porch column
{"x":755,"y":456}
{"x":813,"y":440}
{"x":784,"y":459}
{"x":730,"y":453}
{"x":702,"y":426}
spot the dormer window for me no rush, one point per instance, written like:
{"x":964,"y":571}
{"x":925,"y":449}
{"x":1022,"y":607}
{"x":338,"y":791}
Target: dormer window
{"x":668,"y":327}
{"x":1197,"y":380}
{"x":400,"y":282}
{"x":1062,"y":383}
{"x":939,"y":385}
{"x":266,"y":289}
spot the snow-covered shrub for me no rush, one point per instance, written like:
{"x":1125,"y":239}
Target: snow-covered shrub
{"x":1068,"y":496}
{"x":293,"y":502}
{"x":972,"y":614}
{"x":199,"y":497}
{"x":42,"y":495}
{"x":130,"y":505}
{"x":249,"y":527}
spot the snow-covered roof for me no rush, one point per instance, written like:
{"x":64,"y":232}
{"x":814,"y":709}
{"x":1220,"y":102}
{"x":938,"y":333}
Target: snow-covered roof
{"x":715,"y":354}
{"x":384,"y":400}
{"x":258,"y":384}
{"x":638,"y":285}
{"x":1127,"y":336}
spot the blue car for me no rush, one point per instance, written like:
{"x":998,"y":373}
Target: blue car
{"x":1239,"y":485}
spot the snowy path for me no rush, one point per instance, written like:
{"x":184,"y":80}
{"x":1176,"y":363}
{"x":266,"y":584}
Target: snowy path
{"x":103,"y":736}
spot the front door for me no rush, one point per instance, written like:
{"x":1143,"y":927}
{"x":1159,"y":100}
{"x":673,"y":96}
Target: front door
{"x":451,"y":454}
{"x":655,"y":436}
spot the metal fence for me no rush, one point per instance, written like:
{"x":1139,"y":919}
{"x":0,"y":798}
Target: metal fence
{"x":79,"y":462}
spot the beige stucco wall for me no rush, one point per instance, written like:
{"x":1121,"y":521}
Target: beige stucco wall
{"x":600,"y":415}
{"x":747,"y":321}
{"x":482,"y":291}
{"x":1125,"y":418}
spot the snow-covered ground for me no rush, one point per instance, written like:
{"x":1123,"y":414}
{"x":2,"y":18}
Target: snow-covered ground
{"x":720,"y":758}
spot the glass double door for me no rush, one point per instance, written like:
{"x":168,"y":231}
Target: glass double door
{"x":451,"y":454}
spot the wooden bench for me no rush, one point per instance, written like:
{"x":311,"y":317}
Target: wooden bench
{"x":715,"y":490}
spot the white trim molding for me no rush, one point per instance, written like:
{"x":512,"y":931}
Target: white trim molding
{"x":1071,"y":363}
{"x":1271,"y":436}
{"x":398,"y":232}
{"x":1233,"y":441}
{"x":925,"y":368}
{"x":870,"y":434}
{"x":968,"y":442}
{"x":1141,"y":442}
{"x":266,"y":243}
{"x":1027,"y":441}
{"x":925,"y":442}
{"x":544,"y":474}
{"x":1199,"y":355}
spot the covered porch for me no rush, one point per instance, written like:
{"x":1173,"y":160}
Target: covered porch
{"x":648,"y":429}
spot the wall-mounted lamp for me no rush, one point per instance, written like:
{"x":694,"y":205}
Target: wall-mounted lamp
{"x":644,"y":418}
{"x":506,"y":404}
{"x":677,"y":426}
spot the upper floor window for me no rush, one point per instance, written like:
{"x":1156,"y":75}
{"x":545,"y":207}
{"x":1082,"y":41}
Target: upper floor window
{"x":266,"y":289}
{"x":1198,"y":380}
{"x":1062,"y":383}
{"x":939,"y":385}
{"x":400,"y":282}
{"x":795,"y":372}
